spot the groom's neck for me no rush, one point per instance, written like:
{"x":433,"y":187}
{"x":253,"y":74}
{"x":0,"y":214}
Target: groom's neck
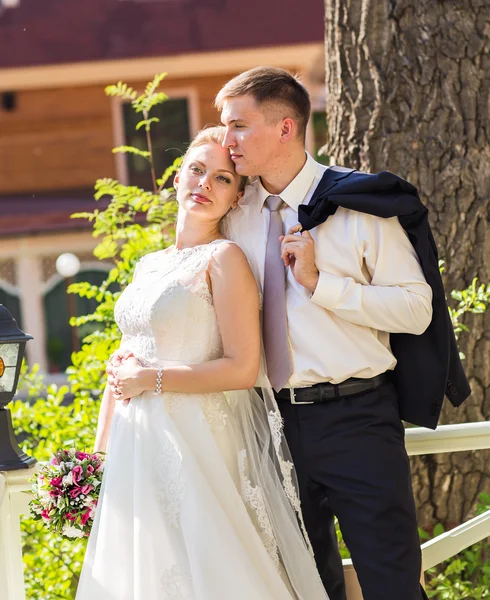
{"x":278,"y":176}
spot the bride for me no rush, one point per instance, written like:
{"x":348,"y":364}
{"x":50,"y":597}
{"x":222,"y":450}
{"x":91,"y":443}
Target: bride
{"x":198,"y":499}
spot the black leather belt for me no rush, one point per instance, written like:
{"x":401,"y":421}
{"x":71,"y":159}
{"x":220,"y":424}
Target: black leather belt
{"x":322,"y":392}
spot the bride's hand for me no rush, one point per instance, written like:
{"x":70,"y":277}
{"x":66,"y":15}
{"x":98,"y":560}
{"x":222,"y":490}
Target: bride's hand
{"x":119,"y":356}
{"x":126,"y":379}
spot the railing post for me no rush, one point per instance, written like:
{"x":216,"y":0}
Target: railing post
{"x":13,"y":502}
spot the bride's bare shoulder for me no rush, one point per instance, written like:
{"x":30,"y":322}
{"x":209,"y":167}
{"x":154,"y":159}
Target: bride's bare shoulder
{"x":228,"y":254}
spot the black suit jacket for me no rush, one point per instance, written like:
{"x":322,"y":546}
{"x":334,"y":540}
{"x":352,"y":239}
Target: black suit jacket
{"x":428,"y":365}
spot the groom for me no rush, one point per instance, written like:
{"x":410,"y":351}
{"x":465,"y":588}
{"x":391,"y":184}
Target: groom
{"x":350,"y":283}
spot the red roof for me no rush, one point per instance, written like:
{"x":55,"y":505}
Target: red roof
{"x":22,"y":215}
{"x":41,"y":32}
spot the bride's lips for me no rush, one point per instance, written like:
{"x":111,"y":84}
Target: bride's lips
{"x":200,"y":198}
{"x":235,"y":156}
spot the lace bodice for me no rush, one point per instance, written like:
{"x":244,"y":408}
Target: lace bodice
{"x":166,"y":314}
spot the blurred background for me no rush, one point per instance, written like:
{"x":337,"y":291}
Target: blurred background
{"x":57,"y":127}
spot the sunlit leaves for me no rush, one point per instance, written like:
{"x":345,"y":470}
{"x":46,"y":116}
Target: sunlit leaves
{"x":121,"y":90}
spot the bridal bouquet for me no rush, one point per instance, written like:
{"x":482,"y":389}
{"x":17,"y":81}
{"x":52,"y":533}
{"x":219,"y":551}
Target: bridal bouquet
{"x":65,"y":492}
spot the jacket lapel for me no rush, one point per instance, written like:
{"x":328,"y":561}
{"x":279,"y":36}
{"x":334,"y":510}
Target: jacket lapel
{"x":319,"y":208}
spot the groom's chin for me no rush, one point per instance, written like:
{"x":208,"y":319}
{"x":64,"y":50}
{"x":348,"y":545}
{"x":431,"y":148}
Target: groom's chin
{"x":243,"y":170}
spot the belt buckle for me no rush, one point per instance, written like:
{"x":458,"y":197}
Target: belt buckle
{"x":293,"y":398}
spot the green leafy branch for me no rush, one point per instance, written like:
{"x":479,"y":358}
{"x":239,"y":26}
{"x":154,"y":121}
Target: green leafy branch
{"x":143,"y":103}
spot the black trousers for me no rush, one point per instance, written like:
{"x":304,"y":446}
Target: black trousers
{"x":351,"y":462}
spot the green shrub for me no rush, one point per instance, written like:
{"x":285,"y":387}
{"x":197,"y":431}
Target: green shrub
{"x":465,"y":576}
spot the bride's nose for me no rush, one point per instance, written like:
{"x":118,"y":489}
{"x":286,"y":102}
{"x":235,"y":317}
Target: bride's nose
{"x":204,"y":182}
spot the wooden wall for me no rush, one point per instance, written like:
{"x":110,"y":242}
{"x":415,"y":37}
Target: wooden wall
{"x":61,"y":139}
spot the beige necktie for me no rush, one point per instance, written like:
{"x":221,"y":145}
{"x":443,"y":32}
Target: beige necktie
{"x":275,"y":329}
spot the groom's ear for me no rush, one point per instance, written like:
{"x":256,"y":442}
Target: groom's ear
{"x":288,"y":129}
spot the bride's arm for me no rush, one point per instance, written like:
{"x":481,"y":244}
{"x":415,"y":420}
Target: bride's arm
{"x":236,"y":301}
{"x":105,"y":419}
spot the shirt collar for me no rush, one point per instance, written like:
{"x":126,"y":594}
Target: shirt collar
{"x":294,"y":194}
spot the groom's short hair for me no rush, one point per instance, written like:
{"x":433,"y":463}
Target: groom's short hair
{"x":270,"y":86}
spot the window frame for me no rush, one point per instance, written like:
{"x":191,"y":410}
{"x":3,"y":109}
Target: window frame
{"x":119,"y":135}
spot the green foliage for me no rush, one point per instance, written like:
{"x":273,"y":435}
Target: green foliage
{"x":474,"y":299}
{"x":135,"y":222}
{"x":465,"y":576}
{"x":132,"y":149}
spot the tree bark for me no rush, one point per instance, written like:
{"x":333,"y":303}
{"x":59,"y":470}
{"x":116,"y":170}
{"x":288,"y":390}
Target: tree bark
{"x":408,"y":87}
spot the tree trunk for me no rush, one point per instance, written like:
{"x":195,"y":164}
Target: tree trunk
{"x":408,"y":86}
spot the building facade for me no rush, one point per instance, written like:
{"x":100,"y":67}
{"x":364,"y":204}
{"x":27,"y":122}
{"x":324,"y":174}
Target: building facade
{"x":58,"y":128}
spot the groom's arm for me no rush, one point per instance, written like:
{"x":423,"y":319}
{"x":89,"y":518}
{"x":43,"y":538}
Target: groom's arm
{"x":397,"y":299}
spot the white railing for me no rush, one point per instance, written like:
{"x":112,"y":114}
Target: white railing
{"x":14,"y":501}
{"x":15,"y":495}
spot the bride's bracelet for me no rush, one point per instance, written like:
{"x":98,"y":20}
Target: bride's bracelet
{"x":158,"y":387}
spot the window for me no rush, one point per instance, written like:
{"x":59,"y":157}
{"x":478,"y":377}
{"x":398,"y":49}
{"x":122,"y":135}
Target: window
{"x":12,"y":304}
{"x":170,"y":138}
{"x":59,"y":306}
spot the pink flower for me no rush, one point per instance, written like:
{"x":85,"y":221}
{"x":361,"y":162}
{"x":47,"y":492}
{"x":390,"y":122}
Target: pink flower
{"x":75,"y":492}
{"x":56,"y":481}
{"x":82,"y":455}
{"x":55,"y":493}
{"x":77,"y":474}
{"x":45,"y":514}
{"x":71,"y":517}
{"x":90,"y":469}
{"x":85,"y":517}
{"x":54,"y":461}
{"x":86,"y":489}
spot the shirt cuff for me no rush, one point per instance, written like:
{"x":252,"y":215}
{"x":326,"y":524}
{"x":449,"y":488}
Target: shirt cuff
{"x":328,"y":290}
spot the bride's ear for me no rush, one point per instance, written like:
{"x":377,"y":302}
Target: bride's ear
{"x":177,"y":179}
{"x":239,"y":196}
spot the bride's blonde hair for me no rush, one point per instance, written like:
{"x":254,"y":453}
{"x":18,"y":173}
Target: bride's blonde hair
{"x":215,"y":134}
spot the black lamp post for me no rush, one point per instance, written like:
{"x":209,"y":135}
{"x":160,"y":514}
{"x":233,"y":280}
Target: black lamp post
{"x":12,"y":345}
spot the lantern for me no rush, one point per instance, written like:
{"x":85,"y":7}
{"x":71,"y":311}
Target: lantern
{"x":12,"y":345}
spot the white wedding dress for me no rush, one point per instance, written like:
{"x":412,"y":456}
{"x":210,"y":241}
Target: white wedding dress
{"x":191,"y":507}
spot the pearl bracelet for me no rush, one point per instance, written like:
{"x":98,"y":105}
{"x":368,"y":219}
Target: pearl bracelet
{"x":158,"y":388}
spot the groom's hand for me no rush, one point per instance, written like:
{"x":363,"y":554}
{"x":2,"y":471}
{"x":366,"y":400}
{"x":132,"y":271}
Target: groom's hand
{"x":298,"y":253}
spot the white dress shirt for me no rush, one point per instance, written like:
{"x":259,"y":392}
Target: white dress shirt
{"x":370,"y":285}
